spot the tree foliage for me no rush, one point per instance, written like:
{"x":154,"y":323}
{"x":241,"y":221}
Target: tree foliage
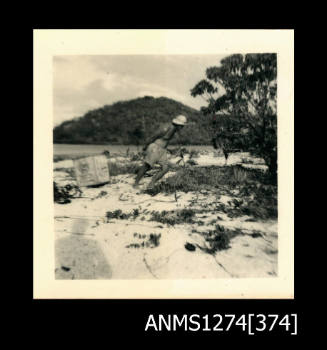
{"x":241,"y":96}
{"x":131,"y":122}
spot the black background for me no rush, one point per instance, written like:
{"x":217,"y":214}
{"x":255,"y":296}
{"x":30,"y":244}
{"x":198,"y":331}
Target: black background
{"x":126,"y":319}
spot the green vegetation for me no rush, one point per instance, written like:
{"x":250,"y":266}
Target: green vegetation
{"x":63,"y":194}
{"x":131,"y":122}
{"x":204,"y":178}
{"x":152,"y":241}
{"x":118,"y":214}
{"x":173,"y":217}
{"x":256,"y":193}
{"x":245,"y":115}
{"x":218,"y":239}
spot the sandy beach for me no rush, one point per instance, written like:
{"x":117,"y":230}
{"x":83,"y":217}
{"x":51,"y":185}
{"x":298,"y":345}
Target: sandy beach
{"x":91,"y":245}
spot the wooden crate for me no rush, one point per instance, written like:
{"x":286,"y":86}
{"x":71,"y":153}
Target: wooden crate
{"x":91,"y":170}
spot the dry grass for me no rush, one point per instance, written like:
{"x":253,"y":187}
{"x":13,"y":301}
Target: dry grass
{"x":257,"y":194}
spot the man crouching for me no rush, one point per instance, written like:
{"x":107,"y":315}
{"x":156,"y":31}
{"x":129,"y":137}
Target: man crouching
{"x":156,"y":151}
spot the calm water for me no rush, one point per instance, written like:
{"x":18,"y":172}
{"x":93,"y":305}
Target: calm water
{"x":64,"y":149}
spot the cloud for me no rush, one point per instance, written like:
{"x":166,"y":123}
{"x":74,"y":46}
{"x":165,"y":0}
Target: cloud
{"x":82,"y":83}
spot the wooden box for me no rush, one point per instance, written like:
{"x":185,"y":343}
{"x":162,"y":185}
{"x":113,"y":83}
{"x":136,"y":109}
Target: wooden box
{"x":91,"y":170}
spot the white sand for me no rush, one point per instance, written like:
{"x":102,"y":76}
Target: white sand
{"x":87,"y":246}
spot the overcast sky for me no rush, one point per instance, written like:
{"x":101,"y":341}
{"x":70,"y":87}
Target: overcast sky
{"x":82,"y":83}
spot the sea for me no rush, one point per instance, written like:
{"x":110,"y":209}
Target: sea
{"x":68,"y":149}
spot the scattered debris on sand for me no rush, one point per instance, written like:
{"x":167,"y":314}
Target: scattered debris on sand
{"x":203,"y":220}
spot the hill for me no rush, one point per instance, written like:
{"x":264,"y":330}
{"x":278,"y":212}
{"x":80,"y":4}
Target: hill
{"x":130,"y":122}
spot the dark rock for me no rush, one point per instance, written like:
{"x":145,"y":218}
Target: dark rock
{"x":190,"y":247}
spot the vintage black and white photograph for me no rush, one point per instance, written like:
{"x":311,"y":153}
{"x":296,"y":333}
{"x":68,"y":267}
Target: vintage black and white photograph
{"x":166,"y":166}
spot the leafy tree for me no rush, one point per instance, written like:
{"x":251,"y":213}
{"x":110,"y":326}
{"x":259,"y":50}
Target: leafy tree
{"x":136,"y":135}
{"x":241,"y":95}
{"x":226,"y":131}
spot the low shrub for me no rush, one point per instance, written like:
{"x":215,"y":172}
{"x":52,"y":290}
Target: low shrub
{"x":173,"y":217}
{"x":152,"y":242}
{"x":64,"y":194}
{"x":256,"y":191}
{"x":194,"y":179}
{"x":118,"y":214}
{"x":218,"y":239}
{"x":154,"y":239}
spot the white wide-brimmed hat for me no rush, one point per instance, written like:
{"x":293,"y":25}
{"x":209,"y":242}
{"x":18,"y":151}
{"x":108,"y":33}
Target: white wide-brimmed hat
{"x":180,"y":120}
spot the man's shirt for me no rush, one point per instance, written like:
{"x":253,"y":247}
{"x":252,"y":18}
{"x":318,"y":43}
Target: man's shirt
{"x":163,"y":136}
